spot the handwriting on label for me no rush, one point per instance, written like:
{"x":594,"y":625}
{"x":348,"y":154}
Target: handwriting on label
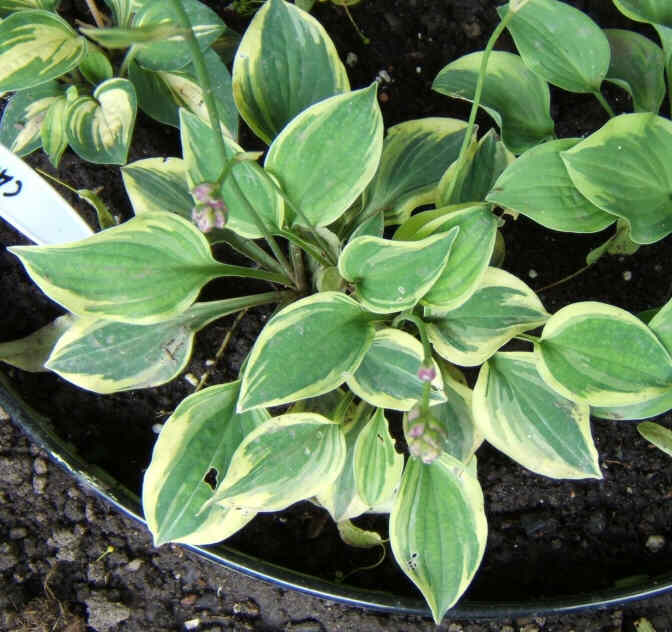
{"x":7,"y":179}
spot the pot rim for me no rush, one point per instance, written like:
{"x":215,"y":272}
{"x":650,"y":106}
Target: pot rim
{"x":39,"y":428}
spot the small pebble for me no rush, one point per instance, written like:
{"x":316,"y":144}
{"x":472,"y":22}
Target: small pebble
{"x":247,"y":608}
{"x":39,"y":484}
{"x":210,"y":362}
{"x":191,"y":378}
{"x":192,"y":624}
{"x":384,"y":76}
{"x":39,"y":466}
{"x":418,"y":70}
{"x":189,"y":600}
{"x":3,"y":414}
{"x":533,"y":274}
{"x":655,"y":543}
{"x":627,"y":275}
{"x":134,"y":565}
{"x":351,"y":59}
{"x":156,"y":428}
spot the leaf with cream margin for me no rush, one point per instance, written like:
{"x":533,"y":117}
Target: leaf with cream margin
{"x":198,"y":440}
{"x":287,"y":459}
{"x":658,"y":435}
{"x":501,"y":308}
{"x":602,"y":355}
{"x":390,"y":275}
{"x":307,"y":349}
{"x":518,"y":100}
{"x":388,"y":375}
{"x":524,"y":418}
{"x":305,"y":69}
{"x":31,"y":352}
{"x":415,"y":156}
{"x":438,"y":529}
{"x":327,"y":155}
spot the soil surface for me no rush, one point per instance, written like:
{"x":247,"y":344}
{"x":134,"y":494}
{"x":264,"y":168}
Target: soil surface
{"x":546,"y":537}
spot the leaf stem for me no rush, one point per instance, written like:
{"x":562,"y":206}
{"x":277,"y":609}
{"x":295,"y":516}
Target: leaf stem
{"x":225,"y":269}
{"x":564,"y":279}
{"x":422,"y":329}
{"x":466,"y":141}
{"x":603,"y":102}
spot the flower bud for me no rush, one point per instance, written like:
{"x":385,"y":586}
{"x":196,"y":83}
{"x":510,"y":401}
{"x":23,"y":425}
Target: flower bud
{"x":424,"y":435}
{"x":206,"y":217}
{"x":426,"y":373}
{"x":203,"y":192}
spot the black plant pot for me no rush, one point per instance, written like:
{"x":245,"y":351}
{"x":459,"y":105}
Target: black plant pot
{"x":40,"y":430}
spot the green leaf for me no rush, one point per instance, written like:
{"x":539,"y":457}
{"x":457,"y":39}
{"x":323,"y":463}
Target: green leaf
{"x":637,"y":66}
{"x":528,"y":421}
{"x":53,"y":133}
{"x":392,"y":276}
{"x":388,"y":374}
{"x":652,"y":11}
{"x":461,"y":435}
{"x":665,"y":35}
{"x":173,"y":53}
{"x":30,"y":353}
{"x":561,"y":44}
{"x":8,"y":6}
{"x":485,"y":161}
{"x":602,"y":355}
{"x":438,"y":529}
{"x":341,"y":498}
{"x":285,"y":460}
{"x":95,"y":66}
{"x":517,"y":99}
{"x":657,"y":405}
{"x":161,"y":93}
{"x":415,"y":156}
{"x":122,"y":10}
{"x":35,"y":47}
{"x":23,"y":116}
{"x":501,"y":308}
{"x":469,"y":257}
{"x":158,"y":185}
{"x":199,"y":438}
{"x":99,"y":128}
{"x":203,"y":164}
{"x":326,"y":156}
{"x":145,"y":270}
{"x":120,"y":37}
{"x":305,"y":69}
{"x":352,"y":535}
{"x":656,"y":434}
{"x":624,"y":169}
{"x":106,"y":356}
{"x":538,"y":186}
{"x":377,"y":465}
{"x":305,"y":350}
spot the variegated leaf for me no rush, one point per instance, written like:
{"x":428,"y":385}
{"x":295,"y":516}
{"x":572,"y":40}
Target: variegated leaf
{"x":388,"y":375}
{"x":53,"y":133}
{"x":415,"y":156}
{"x":327,"y":155}
{"x":527,"y":420}
{"x":106,"y":356}
{"x":9,"y":6}
{"x":658,"y":435}
{"x":502,"y":307}
{"x":305,"y":69}
{"x":35,"y":47}
{"x":307,"y":349}
{"x":438,"y":529}
{"x":198,"y":440}
{"x":377,"y":465}
{"x":391,"y":276}
{"x":602,"y":355}
{"x":99,"y":128}
{"x":31,"y":353}
{"x":312,"y":451}
{"x":23,"y":116}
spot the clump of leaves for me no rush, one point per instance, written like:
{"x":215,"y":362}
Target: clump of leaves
{"x":371,"y":318}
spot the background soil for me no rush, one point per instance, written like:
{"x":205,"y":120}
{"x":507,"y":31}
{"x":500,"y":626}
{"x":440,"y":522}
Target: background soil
{"x":546,"y":537}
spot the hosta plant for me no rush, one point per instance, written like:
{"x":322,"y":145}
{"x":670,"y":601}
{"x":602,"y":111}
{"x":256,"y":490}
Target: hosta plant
{"x":377,"y":304}
{"x":83,"y":89}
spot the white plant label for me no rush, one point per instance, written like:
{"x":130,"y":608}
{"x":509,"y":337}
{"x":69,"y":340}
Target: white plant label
{"x":33,"y":207}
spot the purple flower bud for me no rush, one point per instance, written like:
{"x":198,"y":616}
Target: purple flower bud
{"x":203,"y":192}
{"x":204,"y":217}
{"x":424,"y":435}
{"x":217,"y":205}
{"x":220,"y":218}
{"x":416,"y":430}
{"x":426,"y":373}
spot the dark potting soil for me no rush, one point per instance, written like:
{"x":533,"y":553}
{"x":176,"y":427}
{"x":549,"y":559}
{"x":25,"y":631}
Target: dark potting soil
{"x":545,"y":537}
